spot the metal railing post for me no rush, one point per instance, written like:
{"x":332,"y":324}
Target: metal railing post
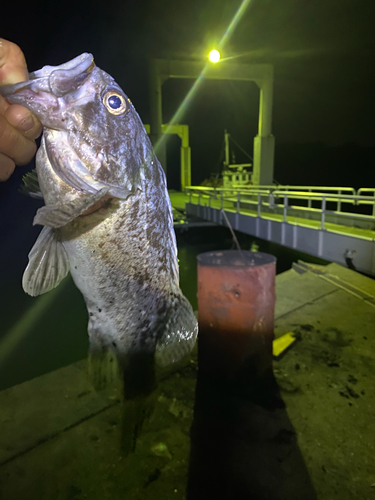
{"x":238,"y":202}
{"x":323,"y":218}
{"x":339,"y":202}
{"x":309,"y":202}
{"x":259,"y":210}
{"x":271,"y":200}
{"x":285,"y":207}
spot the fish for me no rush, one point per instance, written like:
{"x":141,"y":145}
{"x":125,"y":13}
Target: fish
{"x":107,"y":220}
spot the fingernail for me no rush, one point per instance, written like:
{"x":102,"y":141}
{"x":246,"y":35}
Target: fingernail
{"x":27,"y":124}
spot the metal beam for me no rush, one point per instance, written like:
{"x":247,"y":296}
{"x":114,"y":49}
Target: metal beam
{"x":185,"y":157}
{"x":156,"y":112}
{"x":257,"y":73}
{"x":261,"y":74}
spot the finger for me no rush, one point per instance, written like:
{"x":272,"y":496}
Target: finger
{"x":7,"y":167}
{"x":14,"y":145}
{"x":13,"y":67}
{"x":24,"y":121}
{"x":4,"y":105}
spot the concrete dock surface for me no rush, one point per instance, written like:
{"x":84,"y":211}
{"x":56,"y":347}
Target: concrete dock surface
{"x":311,"y":436}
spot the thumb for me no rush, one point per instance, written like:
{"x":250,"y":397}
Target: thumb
{"x":13,"y":67}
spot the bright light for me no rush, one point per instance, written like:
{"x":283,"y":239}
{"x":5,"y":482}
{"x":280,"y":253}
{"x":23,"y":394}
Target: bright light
{"x":198,"y":82}
{"x":214,"y":56}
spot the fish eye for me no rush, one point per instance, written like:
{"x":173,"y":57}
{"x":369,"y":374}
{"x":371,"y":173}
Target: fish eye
{"x":115,"y":103}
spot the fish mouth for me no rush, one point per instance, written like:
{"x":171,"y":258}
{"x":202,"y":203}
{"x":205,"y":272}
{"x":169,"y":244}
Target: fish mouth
{"x":50,"y":83}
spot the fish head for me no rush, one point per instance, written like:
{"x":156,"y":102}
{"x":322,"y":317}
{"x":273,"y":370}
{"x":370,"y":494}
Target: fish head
{"x":96,"y":118}
{"x":46,"y":90}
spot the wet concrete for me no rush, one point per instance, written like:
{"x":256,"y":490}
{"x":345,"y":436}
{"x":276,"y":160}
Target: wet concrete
{"x":308,"y":432}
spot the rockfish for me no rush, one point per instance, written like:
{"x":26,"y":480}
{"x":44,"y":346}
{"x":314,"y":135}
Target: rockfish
{"x":108,"y":220}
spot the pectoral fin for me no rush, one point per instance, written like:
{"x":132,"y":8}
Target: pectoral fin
{"x":48,"y":264}
{"x":60,"y":215}
{"x":30,"y":185}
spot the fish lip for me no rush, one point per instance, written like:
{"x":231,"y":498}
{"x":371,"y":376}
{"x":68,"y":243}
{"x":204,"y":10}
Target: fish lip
{"x":30,"y":95}
{"x":75,"y":66}
{"x":47,"y":79}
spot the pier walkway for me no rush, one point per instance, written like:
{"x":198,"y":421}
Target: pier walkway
{"x":334,"y":223}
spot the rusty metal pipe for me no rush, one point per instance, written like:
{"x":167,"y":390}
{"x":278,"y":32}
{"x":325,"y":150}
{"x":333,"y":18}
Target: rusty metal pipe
{"x":236,"y":303}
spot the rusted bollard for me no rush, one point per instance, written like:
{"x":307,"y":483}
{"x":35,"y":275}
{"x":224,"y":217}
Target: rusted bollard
{"x":236,"y":302}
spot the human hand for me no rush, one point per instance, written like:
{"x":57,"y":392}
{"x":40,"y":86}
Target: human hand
{"x":18,"y":126}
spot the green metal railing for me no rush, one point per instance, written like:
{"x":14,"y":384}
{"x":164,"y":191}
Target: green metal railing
{"x":322,"y":200}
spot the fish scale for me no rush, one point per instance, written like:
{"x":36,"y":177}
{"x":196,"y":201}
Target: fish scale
{"x":108,"y":219}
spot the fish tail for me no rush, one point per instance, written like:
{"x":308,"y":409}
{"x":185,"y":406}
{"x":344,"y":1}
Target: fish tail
{"x":103,"y":369}
{"x":139,"y":396}
{"x":134,"y":374}
{"x":136,"y":413}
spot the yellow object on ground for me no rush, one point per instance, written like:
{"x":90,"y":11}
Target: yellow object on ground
{"x":282,"y":343}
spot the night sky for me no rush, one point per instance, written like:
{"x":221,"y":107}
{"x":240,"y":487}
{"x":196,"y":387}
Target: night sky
{"x":323,"y":53}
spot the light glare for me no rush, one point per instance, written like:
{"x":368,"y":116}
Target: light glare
{"x":194,"y":89}
{"x":214,"y":56}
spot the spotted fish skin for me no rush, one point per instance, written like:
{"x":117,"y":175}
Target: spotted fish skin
{"x":108,"y":220}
